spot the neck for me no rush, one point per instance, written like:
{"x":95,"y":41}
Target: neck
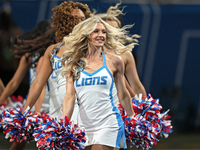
{"x":93,"y":52}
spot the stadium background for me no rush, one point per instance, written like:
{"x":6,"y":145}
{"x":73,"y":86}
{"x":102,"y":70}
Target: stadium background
{"x":167,"y":56}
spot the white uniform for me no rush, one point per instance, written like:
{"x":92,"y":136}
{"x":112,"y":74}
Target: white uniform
{"x":45,"y":104}
{"x":54,"y":97}
{"x":61,"y":85}
{"x":100,"y":117}
{"x":57,"y":105}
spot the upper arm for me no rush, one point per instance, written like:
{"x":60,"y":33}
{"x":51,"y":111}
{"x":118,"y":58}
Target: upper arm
{"x":21,"y":70}
{"x":39,"y":64}
{"x":69,"y":99}
{"x":44,"y":67}
{"x":130,"y":69}
{"x":70,"y":85}
{"x":119,"y":78}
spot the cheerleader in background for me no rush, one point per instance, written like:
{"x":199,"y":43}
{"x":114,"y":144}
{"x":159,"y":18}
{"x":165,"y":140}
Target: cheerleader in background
{"x":145,"y":107}
{"x":65,"y":17}
{"x":133,"y":82}
{"x":30,"y":47}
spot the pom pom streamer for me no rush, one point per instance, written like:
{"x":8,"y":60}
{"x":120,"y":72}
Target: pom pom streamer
{"x":148,"y":124}
{"x":17,"y":102}
{"x":59,"y":134}
{"x":19,"y":126}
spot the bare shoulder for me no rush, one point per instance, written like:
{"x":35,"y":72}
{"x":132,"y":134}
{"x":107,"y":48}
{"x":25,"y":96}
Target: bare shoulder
{"x":116,"y":60}
{"x":50,"y":48}
{"x":127,"y":55}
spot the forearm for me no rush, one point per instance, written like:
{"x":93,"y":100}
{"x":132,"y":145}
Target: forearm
{"x":39,"y":101}
{"x":132,"y":94}
{"x":68,"y":106}
{"x":34,"y":92}
{"x":125,"y":101}
{"x":2,"y":87}
{"x":140,"y":90}
{"x":8,"y":91}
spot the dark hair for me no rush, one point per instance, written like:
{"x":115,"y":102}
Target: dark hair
{"x":40,"y":29}
{"x":34,"y":42}
{"x":6,"y":21}
{"x":62,"y":19}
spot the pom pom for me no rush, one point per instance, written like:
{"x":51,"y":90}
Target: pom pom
{"x":148,"y":124}
{"x":19,"y":126}
{"x":59,"y":134}
{"x":17,"y":102}
{"x":17,"y":99}
{"x":140,"y":132}
{"x":165,"y":124}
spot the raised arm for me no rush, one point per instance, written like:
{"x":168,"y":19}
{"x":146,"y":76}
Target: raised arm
{"x":122,"y":92}
{"x":69,"y":99}
{"x":132,"y":75}
{"x":14,"y":83}
{"x":40,"y":80}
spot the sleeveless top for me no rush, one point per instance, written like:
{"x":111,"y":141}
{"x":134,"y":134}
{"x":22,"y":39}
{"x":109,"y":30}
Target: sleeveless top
{"x":54,"y":97}
{"x":95,"y":98}
{"x":57,"y":69}
{"x":32,"y":76}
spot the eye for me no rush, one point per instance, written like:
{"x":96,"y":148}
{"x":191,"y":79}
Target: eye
{"x":104,"y":31}
{"x":96,"y":31}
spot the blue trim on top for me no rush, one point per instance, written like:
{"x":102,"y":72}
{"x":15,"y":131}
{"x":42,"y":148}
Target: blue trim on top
{"x":48,"y":86}
{"x":104,"y":59}
{"x":93,"y":73}
{"x":58,"y":57}
{"x":60,"y":45}
{"x":54,"y":54}
{"x":121,"y":132}
{"x":102,"y":67}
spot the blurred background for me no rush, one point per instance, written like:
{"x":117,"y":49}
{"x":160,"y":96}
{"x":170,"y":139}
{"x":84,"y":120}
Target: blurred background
{"x":167,"y":58}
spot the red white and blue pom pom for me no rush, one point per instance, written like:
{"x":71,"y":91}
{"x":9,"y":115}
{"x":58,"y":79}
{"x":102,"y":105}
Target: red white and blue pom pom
{"x":59,"y":134}
{"x":19,"y":126}
{"x":148,"y":124}
{"x":140,"y":132}
{"x":16,"y":102}
{"x":165,"y":124}
{"x":19,"y":98}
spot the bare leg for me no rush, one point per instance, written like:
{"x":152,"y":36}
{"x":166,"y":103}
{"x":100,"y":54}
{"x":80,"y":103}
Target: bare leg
{"x":18,"y":146}
{"x":98,"y":147}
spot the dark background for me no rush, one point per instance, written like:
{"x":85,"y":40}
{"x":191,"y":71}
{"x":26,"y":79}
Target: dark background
{"x":167,"y":57}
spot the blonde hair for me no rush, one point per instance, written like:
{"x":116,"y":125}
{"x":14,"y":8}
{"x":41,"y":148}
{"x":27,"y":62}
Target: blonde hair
{"x":77,"y":43}
{"x":112,"y":14}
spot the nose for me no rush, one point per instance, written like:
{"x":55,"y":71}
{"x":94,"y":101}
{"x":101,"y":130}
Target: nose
{"x":100,"y":33}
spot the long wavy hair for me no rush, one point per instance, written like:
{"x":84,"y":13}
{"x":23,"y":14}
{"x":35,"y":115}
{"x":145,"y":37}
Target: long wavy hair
{"x":35,"y":42}
{"x":77,"y":43}
{"x":62,"y":19}
{"x":113,"y":14}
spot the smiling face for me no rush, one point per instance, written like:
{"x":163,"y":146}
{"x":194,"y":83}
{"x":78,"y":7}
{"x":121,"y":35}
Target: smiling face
{"x":78,"y":13}
{"x":98,"y":36}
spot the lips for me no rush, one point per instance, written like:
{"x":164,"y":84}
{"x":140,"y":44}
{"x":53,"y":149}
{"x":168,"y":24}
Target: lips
{"x":102,"y":40}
